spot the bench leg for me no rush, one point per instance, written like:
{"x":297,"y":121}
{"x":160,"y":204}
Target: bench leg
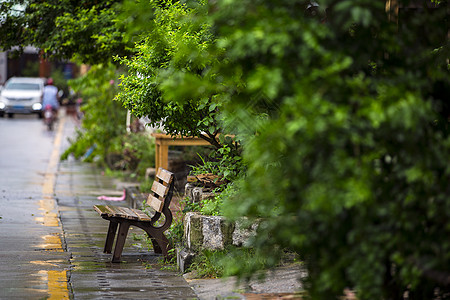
{"x":110,"y":237}
{"x":121,"y":237}
{"x":160,"y":242}
{"x":155,"y":244}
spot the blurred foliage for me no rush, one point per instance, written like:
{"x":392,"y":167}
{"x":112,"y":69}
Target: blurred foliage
{"x":136,"y":153}
{"x":87,"y":31}
{"x":59,"y":80}
{"x":103,"y":133}
{"x":350,"y":167}
{"x":31,"y":69}
{"x":103,"y":124}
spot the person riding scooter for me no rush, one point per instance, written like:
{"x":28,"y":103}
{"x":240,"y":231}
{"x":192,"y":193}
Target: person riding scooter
{"x":50,"y":96}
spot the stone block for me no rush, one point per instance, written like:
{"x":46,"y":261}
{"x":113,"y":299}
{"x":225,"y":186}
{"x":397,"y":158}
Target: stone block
{"x":242,"y":232}
{"x":134,"y":197}
{"x":213,"y":232}
{"x":196,"y":194}
{"x":184,"y":259}
{"x":193,"y":233}
{"x":188,"y":190}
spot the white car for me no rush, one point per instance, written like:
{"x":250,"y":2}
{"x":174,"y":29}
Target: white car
{"x":22,"y":95}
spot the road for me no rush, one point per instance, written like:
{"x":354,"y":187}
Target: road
{"x":33,"y":262}
{"x":51,"y":240}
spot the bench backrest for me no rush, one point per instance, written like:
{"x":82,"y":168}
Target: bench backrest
{"x":162,"y":190}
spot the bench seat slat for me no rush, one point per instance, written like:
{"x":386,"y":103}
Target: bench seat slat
{"x":114,"y":211}
{"x":129,"y":213}
{"x":102,"y":210}
{"x":111,"y":212}
{"x":122,"y":212}
{"x":142,"y":215}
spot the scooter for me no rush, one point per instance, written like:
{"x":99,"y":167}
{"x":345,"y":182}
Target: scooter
{"x":49,"y":117}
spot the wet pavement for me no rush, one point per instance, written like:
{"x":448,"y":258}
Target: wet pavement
{"x":52,"y":239}
{"x":91,"y":274}
{"x":33,"y":263}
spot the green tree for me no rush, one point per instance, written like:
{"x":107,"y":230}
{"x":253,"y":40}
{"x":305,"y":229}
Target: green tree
{"x":341,"y":110}
{"x":88,"y":31}
{"x":173,"y":50}
{"x":165,"y":77}
{"x":350,"y":168}
{"x":104,"y":119}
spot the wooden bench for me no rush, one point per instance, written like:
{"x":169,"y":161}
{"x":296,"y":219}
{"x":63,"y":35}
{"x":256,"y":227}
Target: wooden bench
{"x":124,"y":217}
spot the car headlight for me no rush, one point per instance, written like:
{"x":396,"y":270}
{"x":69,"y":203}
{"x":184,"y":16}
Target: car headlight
{"x":2,"y":105}
{"x":37,"y":106}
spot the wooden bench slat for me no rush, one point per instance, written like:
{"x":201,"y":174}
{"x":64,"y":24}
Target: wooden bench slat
{"x":155,"y":203}
{"x":122,"y":212}
{"x":110,"y":211}
{"x":164,"y":175}
{"x":101,"y":209}
{"x":129,"y":214}
{"x":104,"y":210}
{"x":142,"y":215}
{"x":116,"y":212}
{"x":160,"y":189}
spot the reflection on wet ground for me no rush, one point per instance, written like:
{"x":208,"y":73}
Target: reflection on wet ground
{"x":52,"y":239}
{"x":92,"y":273}
{"x":56,"y":280}
{"x":34,"y":264}
{"x":49,"y":216}
{"x":56,"y":283}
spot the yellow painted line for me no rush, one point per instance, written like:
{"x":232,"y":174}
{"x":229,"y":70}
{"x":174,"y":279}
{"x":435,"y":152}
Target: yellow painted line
{"x":52,"y":242}
{"x":57,"y":285}
{"x":56,"y":279}
{"x":49,"y":180}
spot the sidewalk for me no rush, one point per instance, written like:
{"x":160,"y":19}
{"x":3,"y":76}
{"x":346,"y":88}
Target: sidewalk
{"x":93,"y":276}
{"x":280,"y":284}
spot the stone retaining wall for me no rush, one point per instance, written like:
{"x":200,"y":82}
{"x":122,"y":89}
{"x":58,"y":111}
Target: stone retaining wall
{"x":214,"y":232}
{"x":209,"y":232}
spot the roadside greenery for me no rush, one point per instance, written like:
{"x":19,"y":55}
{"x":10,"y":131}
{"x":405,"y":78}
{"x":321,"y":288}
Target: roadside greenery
{"x":333,"y":106}
{"x":103,"y":135}
{"x":104,"y":119}
{"x":350,"y":169}
{"x":173,"y":49}
{"x":86,"y":31}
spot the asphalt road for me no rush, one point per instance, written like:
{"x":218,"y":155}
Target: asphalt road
{"x":33,"y":263}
